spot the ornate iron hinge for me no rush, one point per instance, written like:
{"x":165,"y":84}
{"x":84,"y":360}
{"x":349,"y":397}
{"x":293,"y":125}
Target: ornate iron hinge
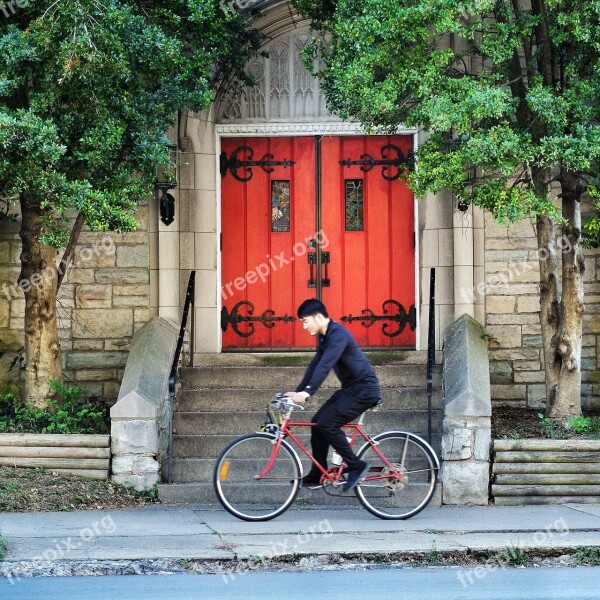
{"x":392,"y":157}
{"x":403,"y":318}
{"x":268,"y":318}
{"x":234,"y":162}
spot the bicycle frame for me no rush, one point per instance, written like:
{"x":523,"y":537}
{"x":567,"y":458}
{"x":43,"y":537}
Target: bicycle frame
{"x":333,"y":475}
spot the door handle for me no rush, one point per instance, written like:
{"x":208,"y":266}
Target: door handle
{"x":311,"y":257}
{"x":325,"y":258}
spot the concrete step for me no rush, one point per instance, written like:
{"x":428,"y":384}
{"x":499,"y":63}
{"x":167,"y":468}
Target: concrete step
{"x":285,"y":378}
{"x":289,"y":359}
{"x":238,"y":423}
{"x":210,"y":446}
{"x":227,"y":401}
{"x":203,"y":493}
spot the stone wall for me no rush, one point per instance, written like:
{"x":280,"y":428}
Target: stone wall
{"x":102,"y":302}
{"x":512,"y":310}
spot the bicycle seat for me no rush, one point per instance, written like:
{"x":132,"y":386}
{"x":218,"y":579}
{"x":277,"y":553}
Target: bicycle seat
{"x":377,"y":404}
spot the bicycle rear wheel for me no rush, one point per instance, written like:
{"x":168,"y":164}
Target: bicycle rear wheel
{"x":236,"y":482}
{"x":405,"y":488}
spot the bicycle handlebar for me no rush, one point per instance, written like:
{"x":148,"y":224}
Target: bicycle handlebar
{"x":282,"y":402}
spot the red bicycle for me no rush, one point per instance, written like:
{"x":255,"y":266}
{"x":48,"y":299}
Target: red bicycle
{"x":258,"y":476}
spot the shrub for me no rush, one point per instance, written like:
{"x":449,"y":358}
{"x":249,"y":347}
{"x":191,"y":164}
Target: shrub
{"x":69,"y":412}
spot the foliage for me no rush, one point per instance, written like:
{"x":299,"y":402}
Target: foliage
{"x":587,"y":555}
{"x":2,"y":548}
{"x":562,"y":429}
{"x":68,"y":412}
{"x":516,"y":556}
{"x":87,"y":91}
{"x":510,"y":102}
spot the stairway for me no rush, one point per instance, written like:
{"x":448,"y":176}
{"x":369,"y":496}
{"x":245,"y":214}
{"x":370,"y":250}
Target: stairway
{"x":227,"y":394}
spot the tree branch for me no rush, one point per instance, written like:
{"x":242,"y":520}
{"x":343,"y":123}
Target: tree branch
{"x":67,"y":258}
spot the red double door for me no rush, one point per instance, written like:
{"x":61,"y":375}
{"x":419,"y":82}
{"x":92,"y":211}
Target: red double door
{"x":316,"y":217}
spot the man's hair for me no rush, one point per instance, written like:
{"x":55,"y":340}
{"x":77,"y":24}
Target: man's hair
{"x":312,"y":307}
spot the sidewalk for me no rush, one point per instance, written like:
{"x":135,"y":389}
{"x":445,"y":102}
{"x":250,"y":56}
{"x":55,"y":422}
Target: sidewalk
{"x":210,"y":533}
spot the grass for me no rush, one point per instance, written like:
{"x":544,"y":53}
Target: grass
{"x":587,"y":555}
{"x":26,"y":490}
{"x":2,"y":549}
{"x":433,"y":558}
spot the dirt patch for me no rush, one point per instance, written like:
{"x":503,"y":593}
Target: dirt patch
{"x":515,"y":423}
{"x":30,"y":490}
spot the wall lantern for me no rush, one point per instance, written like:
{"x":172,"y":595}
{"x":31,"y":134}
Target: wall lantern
{"x":167,"y":178}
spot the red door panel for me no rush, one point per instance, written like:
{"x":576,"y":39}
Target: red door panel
{"x":372,"y":267}
{"x":265,"y":272}
{"x":265,"y":228}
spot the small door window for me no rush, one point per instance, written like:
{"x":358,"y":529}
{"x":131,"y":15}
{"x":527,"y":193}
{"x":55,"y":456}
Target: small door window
{"x":280,"y":206}
{"x":354,"y":205}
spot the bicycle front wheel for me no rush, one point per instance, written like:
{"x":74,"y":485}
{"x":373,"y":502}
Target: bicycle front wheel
{"x":240,"y":489}
{"x":403,"y":484}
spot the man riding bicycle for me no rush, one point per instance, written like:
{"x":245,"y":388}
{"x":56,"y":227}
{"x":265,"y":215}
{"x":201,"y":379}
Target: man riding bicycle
{"x":337,"y":350}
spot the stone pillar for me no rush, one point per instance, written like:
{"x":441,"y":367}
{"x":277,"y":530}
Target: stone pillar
{"x":139,"y":419}
{"x":466,"y":429}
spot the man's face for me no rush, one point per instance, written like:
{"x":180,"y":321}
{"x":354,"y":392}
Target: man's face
{"x":311,"y":324}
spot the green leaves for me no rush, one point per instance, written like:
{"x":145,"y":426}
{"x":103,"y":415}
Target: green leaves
{"x":87,"y":91}
{"x":518,"y":83}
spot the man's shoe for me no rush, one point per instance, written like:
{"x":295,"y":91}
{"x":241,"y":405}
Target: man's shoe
{"x":312,"y":481}
{"x":355,"y":476}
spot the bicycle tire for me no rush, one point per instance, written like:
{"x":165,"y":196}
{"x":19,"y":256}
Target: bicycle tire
{"x":238,"y":489}
{"x":392,"y":497}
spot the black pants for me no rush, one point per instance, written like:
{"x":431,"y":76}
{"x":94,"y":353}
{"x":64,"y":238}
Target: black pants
{"x":343,"y":407}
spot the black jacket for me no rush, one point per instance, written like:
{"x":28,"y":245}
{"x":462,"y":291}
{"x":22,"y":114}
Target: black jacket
{"x":339,"y":351}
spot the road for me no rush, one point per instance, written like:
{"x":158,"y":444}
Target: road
{"x":580,"y":583}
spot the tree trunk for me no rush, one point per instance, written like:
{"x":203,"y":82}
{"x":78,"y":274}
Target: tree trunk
{"x":549,"y":303}
{"x":567,"y":400}
{"x":38,"y":280}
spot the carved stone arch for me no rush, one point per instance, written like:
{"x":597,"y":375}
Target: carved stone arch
{"x":284,"y":90}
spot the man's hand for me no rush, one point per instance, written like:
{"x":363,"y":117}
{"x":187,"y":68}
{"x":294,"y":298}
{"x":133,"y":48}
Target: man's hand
{"x":297,"y":397}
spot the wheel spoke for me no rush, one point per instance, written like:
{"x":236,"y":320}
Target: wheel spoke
{"x":404,"y":482}
{"x":240,"y":489}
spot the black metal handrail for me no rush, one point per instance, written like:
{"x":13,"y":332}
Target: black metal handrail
{"x":189,"y":301}
{"x":430,"y":351}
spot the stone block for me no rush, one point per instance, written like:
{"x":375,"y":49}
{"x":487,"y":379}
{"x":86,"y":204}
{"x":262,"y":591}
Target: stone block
{"x":122,"y":276}
{"x":93,"y":296}
{"x":92,"y":360}
{"x":132,"y":301}
{"x":102,"y":323}
{"x":505,"y":336}
{"x":118,"y":344}
{"x":140,"y":483}
{"x":536,"y":396}
{"x":133,"y":256}
{"x":483,"y":441}
{"x":509,"y":392}
{"x":466,"y":370}
{"x":465,"y":482}
{"x":528,"y":304}
{"x":500,"y":304}
{"x":146,"y":465}
{"x":130,"y":290}
{"x":95,"y":375}
{"x":131,"y":437}
{"x":501,"y":372}
{"x":457,"y":440}
{"x":122,"y":464}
